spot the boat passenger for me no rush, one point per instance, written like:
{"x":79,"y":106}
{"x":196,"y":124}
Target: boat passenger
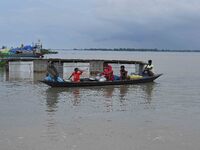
{"x":108,"y":72}
{"x":123,"y":73}
{"x":52,"y":71}
{"x":149,"y":69}
{"x":76,"y":75}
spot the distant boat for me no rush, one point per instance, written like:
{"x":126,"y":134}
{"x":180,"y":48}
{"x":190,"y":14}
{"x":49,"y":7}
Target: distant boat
{"x":22,"y":51}
{"x":25,"y":54}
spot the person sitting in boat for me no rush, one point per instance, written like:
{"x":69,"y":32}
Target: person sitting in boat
{"x":52,"y":71}
{"x":108,"y":72}
{"x":76,"y":75}
{"x":123,"y":73}
{"x":149,"y":69}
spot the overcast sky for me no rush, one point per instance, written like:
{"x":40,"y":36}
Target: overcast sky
{"x":167,"y":24}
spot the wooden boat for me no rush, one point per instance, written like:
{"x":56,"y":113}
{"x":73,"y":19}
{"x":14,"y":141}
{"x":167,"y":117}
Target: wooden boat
{"x":144,"y":79}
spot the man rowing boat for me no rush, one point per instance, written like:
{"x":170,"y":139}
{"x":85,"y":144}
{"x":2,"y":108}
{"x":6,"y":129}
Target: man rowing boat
{"x":149,"y":69}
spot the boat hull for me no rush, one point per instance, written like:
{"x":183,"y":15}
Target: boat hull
{"x":97,"y":83}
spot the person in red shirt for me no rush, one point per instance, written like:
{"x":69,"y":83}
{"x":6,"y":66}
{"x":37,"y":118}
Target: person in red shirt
{"x":76,"y":75}
{"x":108,"y":72}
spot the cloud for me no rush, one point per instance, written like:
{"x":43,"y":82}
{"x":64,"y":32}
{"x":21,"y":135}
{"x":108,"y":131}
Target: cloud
{"x":163,"y":24}
{"x":102,"y":23}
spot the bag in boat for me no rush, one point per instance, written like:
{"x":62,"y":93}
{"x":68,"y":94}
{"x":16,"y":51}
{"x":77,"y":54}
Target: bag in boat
{"x":50,"y":78}
{"x":135,"y":77}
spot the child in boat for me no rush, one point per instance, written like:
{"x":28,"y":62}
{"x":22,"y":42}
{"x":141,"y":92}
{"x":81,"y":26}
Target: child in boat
{"x":149,"y":69}
{"x":108,"y":72}
{"x":76,"y":75}
{"x":123,"y":73}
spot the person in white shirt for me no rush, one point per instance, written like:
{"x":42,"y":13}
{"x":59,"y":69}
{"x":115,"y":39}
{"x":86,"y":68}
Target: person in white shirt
{"x":148,"y":70}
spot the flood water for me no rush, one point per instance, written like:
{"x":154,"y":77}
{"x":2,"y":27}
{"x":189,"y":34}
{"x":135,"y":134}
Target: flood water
{"x":161,"y":115}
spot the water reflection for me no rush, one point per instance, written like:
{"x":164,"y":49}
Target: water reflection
{"x":52,"y":99}
{"x":108,"y":91}
{"x":123,"y":91}
{"x":113,"y":97}
{"x":76,"y":94}
{"x":148,"y":95}
{"x":148,"y":91}
{"x":123,"y":99}
{"x":38,"y":76}
{"x":20,"y":72}
{"x":108,"y":94}
{"x":52,"y":96}
{"x":3,"y":74}
{"x":110,"y":98}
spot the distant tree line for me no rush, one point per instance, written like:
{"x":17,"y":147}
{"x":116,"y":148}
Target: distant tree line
{"x":137,"y":49}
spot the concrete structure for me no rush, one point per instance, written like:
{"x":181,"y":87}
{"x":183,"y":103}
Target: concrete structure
{"x":94,"y":66}
{"x":40,"y":65}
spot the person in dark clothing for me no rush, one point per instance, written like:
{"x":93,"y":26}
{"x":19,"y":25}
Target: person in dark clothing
{"x":52,"y":71}
{"x":123,"y":73}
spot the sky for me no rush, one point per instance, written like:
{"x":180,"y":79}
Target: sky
{"x":162,"y":24}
